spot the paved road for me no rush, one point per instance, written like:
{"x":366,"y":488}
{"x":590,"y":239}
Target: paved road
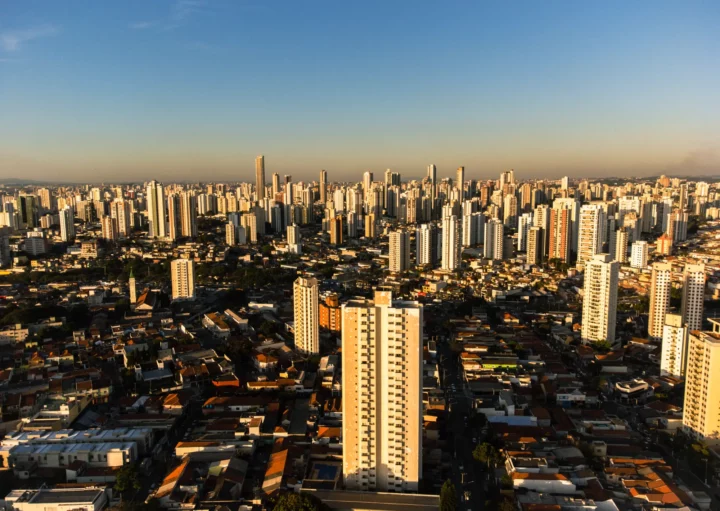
{"x":462,"y":435}
{"x":161,"y":467}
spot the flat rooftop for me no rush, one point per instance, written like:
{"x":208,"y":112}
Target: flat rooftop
{"x":65,"y":496}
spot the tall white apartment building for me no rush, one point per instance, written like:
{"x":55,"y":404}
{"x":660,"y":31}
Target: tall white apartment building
{"x":639,"y":254}
{"x":535,"y":251}
{"x":620,"y":246}
{"x":524,"y":224}
{"x":67,"y":224}
{"x":493,"y":246}
{"x":701,"y":413}
{"x":399,"y":251}
{"x":660,"y":287}
{"x":426,"y":241}
{"x":156,"y":210}
{"x":182,"y":272}
{"x":591,"y":232}
{"x":188,"y":214}
{"x":293,"y":239}
{"x":450,"y":243}
{"x":674,"y":346}
{"x":510,"y":211}
{"x":600,"y":299}
{"x":230,"y":234}
{"x":382,"y":394}
{"x":307,"y":319}
{"x":693,"y":295}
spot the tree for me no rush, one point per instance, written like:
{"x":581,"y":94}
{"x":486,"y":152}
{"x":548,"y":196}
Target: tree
{"x":298,"y":502}
{"x":486,"y":453}
{"x":448,"y":496}
{"x":505,"y":505}
{"x":602,"y":346}
{"x":127,"y":479}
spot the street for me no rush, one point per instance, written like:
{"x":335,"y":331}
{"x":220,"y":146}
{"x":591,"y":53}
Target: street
{"x":462,"y":434}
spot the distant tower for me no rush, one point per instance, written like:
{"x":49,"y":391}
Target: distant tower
{"x":460,"y":184}
{"x":133,"y":288}
{"x":260,"y":177}
{"x":323,"y":187}
{"x":156,"y":210}
{"x":450,"y":243}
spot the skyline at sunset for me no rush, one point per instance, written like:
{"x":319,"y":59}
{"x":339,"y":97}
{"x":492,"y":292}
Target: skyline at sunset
{"x":194,"y":90}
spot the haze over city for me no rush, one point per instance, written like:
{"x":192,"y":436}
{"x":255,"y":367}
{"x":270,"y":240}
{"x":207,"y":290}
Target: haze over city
{"x":190,"y":89}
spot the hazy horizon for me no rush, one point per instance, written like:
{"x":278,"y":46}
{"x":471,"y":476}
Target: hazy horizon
{"x":178,"y":89}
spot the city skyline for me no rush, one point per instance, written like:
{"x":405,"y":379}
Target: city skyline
{"x":183,"y":88}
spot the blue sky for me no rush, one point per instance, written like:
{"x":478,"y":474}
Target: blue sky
{"x":195,"y":89}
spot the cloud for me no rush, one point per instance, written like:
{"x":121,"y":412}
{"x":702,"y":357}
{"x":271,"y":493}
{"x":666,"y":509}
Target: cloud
{"x":142,"y":25}
{"x":13,"y":40}
{"x":180,"y":13}
{"x":182,"y":10}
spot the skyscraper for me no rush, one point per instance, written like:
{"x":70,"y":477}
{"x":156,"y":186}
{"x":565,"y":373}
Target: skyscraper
{"x":621,"y":245}
{"x":659,"y":299}
{"x":432,"y":176}
{"x":600,"y":299}
{"x":693,"y":295}
{"x":67,"y":224}
{"x":370,"y":226}
{"x":120,"y":211}
{"x":307,"y":325}
{"x":183,"y":279}
{"x":275,"y":185}
{"x":536,"y":239}
{"x":336,"y":230}
{"x":460,"y":181}
{"x":173,"y":212}
{"x":701,"y":414}
{"x":109,"y":228}
{"x":510,"y":211}
{"x":188,"y":214}
{"x":591,"y":232}
{"x":260,"y":178}
{"x":493,"y":243}
{"x":293,"y":239}
{"x":674,"y":346}
{"x":560,"y":230}
{"x":230,"y":234}
{"x":323,"y":187}
{"x":399,"y":251}
{"x":426,"y":241}
{"x":156,"y":210}
{"x":382,"y":394}
{"x":524,"y":224}
{"x":450,"y":243}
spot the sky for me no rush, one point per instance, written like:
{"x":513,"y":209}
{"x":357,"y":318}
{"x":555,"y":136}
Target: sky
{"x":195,"y":89}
